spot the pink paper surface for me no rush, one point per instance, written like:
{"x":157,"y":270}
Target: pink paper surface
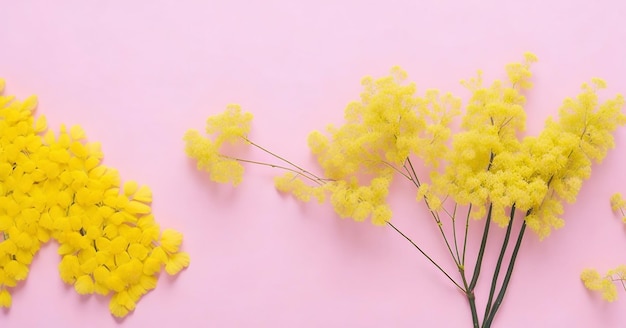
{"x":137,"y":75}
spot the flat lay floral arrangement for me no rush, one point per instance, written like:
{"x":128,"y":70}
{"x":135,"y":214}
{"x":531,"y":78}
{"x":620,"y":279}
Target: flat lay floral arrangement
{"x":481,"y":173}
{"x":469,"y":164}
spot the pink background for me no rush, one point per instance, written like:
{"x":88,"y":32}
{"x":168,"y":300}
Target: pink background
{"x":136,"y":76}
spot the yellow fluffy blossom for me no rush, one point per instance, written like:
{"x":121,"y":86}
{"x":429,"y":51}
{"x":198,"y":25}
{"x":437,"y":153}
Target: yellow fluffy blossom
{"x":488,"y":166}
{"x":290,"y":183}
{"x":486,"y":163}
{"x":606,"y":284}
{"x":385,"y":127}
{"x":230,"y":126}
{"x":619,"y":204}
{"x":593,"y":281}
{"x":54,"y":186}
{"x":381,"y":131}
{"x":483,"y":160}
{"x":561,"y":156}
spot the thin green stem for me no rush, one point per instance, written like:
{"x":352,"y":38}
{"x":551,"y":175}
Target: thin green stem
{"x":434,"y":213}
{"x":496,"y":272}
{"x":471,"y":298}
{"x":456,"y":244}
{"x":414,"y":180}
{"x":399,"y":171}
{"x":413,"y":170}
{"x":481,"y":251}
{"x":469,"y":210}
{"x":445,"y":239}
{"x":451,"y":216}
{"x":303,"y":174}
{"x":621,"y":280}
{"x":281,"y":158}
{"x":507,"y":277}
{"x":491,"y":157}
{"x":426,"y":255}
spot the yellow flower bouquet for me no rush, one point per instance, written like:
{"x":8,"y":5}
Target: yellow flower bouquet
{"x":480,"y":170}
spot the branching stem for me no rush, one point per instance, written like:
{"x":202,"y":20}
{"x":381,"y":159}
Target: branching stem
{"x":434,"y":213}
{"x":298,"y":172}
{"x":426,"y":255}
{"x":282,"y":159}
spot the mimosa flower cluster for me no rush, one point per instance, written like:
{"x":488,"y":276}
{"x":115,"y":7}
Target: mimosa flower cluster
{"x":487,"y":165}
{"x":54,"y":187}
{"x":606,"y":284}
{"x":229,"y":127}
{"x":484,"y":169}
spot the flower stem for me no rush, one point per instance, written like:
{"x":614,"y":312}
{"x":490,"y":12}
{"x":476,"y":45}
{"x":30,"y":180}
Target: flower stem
{"x":496,"y":272}
{"x":471,"y":298}
{"x":413,"y":170}
{"x":469,"y":210}
{"x":434,"y":213}
{"x":302,"y":170}
{"x":301,"y":173}
{"x":507,"y":277}
{"x":456,"y":244}
{"x":408,"y":177}
{"x":426,"y":255}
{"x":481,"y":251}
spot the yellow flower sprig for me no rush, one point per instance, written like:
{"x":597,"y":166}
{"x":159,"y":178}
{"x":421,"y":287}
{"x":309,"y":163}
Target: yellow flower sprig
{"x":54,"y":186}
{"x":231,"y":126}
{"x":484,"y":168}
{"x":606,"y":284}
{"x":618,"y":204}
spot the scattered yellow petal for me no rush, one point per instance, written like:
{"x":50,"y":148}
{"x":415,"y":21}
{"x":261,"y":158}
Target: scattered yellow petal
{"x":171,"y":240}
{"x":176,"y":263}
{"x":5,"y":297}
